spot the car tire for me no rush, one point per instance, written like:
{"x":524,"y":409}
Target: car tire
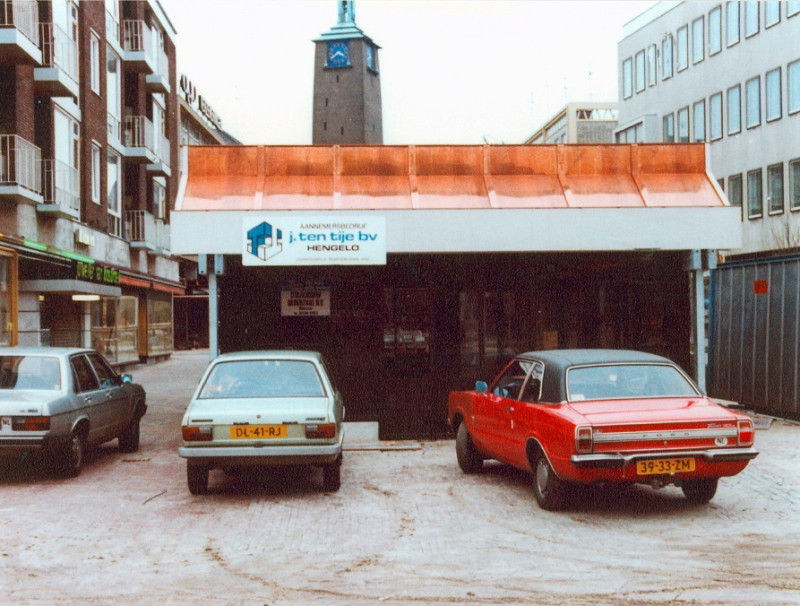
{"x":70,"y":458}
{"x":197,"y":478}
{"x":469,"y":459}
{"x":700,"y":491}
{"x":129,"y":439}
{"x":548,"y":489}
{"x":332,"y":475}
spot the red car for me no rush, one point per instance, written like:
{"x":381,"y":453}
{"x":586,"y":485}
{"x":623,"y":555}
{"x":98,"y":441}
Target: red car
{"x":600,"y":416}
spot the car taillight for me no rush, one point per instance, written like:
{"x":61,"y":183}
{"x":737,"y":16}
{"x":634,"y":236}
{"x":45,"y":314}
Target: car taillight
{"x":321,"y":430}
{"x":193,"y":433}
{"x":583,"y":439}
{"x":747,"y":432}
{"x":30,"y":423}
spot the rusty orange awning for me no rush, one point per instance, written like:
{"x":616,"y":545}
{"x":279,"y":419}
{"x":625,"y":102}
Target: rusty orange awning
{"x":425,"y":177}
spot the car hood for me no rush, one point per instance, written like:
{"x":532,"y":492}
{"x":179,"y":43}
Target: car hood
{"x":28,"y":402}
{"x":650,"y":410}
{"x":226,"y":411}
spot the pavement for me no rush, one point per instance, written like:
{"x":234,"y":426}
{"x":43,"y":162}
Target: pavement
{"x":406,"y":527}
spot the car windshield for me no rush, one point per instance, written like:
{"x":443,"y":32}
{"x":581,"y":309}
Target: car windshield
{"x":263,"y":379}
{"x":30,"y":372}
{"x":616,"y":381}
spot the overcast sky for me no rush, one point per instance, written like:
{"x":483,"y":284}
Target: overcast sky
{"x":451,"y":72}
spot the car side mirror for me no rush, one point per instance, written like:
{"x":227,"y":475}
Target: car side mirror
{"x":126,"y":378}
{"x":481,"y":386}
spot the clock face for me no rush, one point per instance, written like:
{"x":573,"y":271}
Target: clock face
{"x":338,"y":53}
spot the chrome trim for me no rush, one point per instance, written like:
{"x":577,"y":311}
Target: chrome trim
{"x":261,"y":452}
{"x":600,"y":437}
{"x":620,"y":460}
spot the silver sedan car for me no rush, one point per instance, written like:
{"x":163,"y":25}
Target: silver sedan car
{"x":263,"y":408}
{"x":59,"y":401}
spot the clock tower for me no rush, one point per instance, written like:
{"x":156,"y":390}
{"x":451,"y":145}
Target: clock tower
{"x":347,"y":84}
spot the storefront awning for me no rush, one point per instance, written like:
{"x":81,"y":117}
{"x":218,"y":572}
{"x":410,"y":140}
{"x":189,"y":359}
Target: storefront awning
{"x":464,"y":198}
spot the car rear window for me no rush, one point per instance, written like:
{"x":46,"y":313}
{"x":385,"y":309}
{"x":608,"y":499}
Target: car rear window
{"x":30,"y":372}
{"x":616,"y":381}
{"x":263,"y":379}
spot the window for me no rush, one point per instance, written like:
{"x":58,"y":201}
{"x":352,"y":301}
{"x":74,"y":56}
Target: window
{"x":698,"y":40}
{"x":775,"y":189}
{"x":639,"y":71}
{"x":683,"y":125}
{"x":159,"y":199}
{"x":753,"y":102}
{"x":793,"y":86}
{"x":792,"y":8}
{"x":715,"y":117}
{"x":114,"y":95}
{"x":67,"y":162}
{"x":794,"y":185}
{"x":669,"y":128}
{"x":772,"y":86}
{"x":666,"y":57}
{"x":732,"y":23}
{"x":751,"y":14}
{"x":96,"y":164}
{"x":683,"y":48}
{"x":94,"y":62}
{"x":627,"y":78}
{"x":699,"y":120}
{"x":715,"y":31}
{"x":735,"y":190}
{"x":772,"y":13}
{"x":651,"y":65}
{"x":755,"y":202}
{"x":114,"y":193}
{"x":734,"y":110}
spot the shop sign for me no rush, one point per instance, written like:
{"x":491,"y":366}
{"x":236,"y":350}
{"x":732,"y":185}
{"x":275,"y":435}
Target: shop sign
{"x":292,"y":240}
{"x":97,"y":273}
{"x":306,"y":299}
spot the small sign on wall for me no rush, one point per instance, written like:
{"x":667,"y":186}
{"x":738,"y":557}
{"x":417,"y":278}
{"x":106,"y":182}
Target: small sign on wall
{"x":306,"y":299}
{"x":760,"y":287}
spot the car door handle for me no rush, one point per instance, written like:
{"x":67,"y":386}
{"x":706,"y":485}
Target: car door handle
{"x":509,"y":409}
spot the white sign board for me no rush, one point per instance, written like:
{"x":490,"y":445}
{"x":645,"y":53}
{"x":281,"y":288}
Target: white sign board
{"x":312,"y":240}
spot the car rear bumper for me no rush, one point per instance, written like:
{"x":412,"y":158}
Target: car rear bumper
{"x":717,"y":455}
{"x":10,"y":446}
{"x":232,"y":456}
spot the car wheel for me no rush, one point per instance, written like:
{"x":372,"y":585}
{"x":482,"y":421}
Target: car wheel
{"x":548,"y":488}
{"x":70,"y":458}
{"x":700,"y":491}
{"x":332,"y":476}
{"x":469,"y":459}
{"x":129,"y":439}
{"x":197,"y":478}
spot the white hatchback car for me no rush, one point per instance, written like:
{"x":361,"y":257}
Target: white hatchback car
{"x":263,"y":408}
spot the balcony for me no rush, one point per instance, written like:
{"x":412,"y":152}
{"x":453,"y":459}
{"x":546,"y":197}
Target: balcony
{"x":20,"y":170}
{"x":160,"y":167}
{"x":139,"y":139}
{"x":112,"y":32}
{"x":62,"y":190}
{"x":144,"y":231}
{"x":58,"y":76}
{"x":137,"y":46}
{"x":158,"y":81}
{"x":19,"y":32}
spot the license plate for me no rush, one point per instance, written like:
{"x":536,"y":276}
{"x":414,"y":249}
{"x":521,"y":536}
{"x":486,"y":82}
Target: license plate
{"x":662,"y":466}
{"x":257,"y":432}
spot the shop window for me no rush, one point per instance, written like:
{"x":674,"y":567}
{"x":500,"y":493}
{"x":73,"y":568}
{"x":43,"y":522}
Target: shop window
{"x":755,"y":196}
{"x":159,"y":325}
{"x":734,"y":110}
{"x":115,"y":330}
{"x":407,"y":330}
{"x":8,"y":298}
{"x":775,"y":189}
{"x":732,"y":23}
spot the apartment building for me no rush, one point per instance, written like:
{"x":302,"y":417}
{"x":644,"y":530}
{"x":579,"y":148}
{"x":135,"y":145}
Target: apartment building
{"x":88,"y":166}
{"x":727,"y":74}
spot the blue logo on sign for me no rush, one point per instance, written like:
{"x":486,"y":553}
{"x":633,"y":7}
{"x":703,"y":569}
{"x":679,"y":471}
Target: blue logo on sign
{"x":264,"y":241}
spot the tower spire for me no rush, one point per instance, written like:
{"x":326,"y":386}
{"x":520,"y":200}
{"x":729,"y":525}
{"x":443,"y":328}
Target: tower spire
{"x":347,"y":12}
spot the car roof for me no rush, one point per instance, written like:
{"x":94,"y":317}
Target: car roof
{"x":565,"y":358}
{"x":270,"y":354}
{"x":42,"y":351}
